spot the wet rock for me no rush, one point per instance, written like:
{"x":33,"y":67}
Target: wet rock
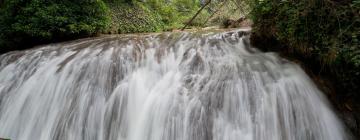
{"x":241,"y":22}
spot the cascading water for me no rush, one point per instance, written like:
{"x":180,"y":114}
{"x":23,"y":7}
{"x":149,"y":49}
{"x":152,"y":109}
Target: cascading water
{"x":170,"y":86}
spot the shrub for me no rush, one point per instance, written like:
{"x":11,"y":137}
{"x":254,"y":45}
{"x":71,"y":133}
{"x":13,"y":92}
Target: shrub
{"x":326,"y":31}
{"x":29,"y":22}
{"x":174,"y":14}
{"x":133,"y":18}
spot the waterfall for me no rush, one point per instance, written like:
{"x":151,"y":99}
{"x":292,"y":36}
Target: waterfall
{"x":166,"y":86}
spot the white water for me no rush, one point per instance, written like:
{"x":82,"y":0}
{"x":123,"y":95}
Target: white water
{"x":171,"y":86}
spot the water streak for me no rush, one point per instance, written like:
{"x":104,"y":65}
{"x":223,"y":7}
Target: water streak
{"x":170,"y":86}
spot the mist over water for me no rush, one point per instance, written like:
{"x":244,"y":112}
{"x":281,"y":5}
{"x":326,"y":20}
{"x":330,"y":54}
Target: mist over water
{"x":169,"y":86}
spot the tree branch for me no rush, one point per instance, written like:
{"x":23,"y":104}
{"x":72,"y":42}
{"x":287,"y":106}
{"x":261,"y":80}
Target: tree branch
{"x":197,"y":13}
{"x":217,"y":10}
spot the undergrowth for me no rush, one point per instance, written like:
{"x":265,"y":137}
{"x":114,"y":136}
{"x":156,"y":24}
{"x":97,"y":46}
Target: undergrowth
{"x":133,"y":18}
{"x":25,"y":23}
{"x":327,"y":31}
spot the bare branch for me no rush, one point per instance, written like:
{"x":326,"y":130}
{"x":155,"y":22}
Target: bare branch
{"x":197,"y":13}
{"x":217,"y":10}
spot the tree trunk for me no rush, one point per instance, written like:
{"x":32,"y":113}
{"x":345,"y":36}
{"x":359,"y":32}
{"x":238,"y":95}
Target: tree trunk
{"x":217,"y":10}
{"x":197,"y":13}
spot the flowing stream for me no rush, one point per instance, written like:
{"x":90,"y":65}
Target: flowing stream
{"x":168,"y":86}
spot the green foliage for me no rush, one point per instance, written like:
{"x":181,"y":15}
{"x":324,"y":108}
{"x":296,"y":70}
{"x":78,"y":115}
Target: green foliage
{"x":24,"y":23}
{"x":129,"y":16}
{"x":326,"y":30}
{"x":223,"y":10}
{"x":133,"y":18}
{"x":176,"y":13}
{"x":28,"y":22}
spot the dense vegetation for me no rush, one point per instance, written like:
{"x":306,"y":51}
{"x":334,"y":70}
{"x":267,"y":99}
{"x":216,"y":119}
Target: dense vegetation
{"x":325,"y":30}
{"x":25,"y":23}
{"x":132,"y":18}
{"x":324,"y":33}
